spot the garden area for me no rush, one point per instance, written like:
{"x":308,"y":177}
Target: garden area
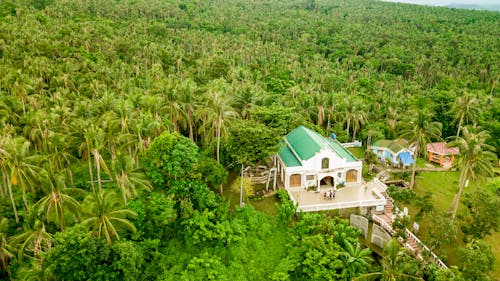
{"x":432,"y":197}
{"x":429,"y":204}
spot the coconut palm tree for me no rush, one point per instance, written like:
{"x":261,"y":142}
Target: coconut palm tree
{"x":59,"y":201}
{"x":91,"y":143}
{"x":465,"y":109}
{"x":5,"y":251}
{"x":395,"y":258}
{"x":217,"y":113}
{"x":419,"y":129}
{"x":128,"y":178}
{"x":474,"y":161}
{"x":20,"y":169}
{"x":355,"y":259}
{"x":106,"y":215}
{"x":354,"y":115}
{"x":33,"y":241}
{"x":185,"y":93}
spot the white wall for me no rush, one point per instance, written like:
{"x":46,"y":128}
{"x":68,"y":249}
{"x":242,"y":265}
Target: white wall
{"x":313,"y":166}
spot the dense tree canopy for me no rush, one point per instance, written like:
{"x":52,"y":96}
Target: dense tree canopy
{"x":118,"y":119}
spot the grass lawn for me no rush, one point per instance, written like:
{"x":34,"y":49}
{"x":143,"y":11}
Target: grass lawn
{"x":359,"y":152}
{"x":443,"y":186}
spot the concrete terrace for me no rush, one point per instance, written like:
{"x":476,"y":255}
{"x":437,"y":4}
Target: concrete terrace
{"x":351,"y":196}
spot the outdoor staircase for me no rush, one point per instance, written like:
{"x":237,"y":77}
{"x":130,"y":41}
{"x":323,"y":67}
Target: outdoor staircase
{"x":388,"y":210}
{"x":412,"y":242}
{"x":413,"y":245}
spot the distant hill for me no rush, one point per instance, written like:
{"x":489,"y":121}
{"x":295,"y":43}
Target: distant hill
{"x":474,"y":6}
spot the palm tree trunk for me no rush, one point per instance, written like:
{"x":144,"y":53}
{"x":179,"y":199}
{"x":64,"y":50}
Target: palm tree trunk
{"x":456,"y":199}
{"x":70,"y":175}
{"x":221,"y":188}
{"x":218,"y":140}
{"x":9,"y":185}
{"x":98,"y":168}
{"x":25,"y":201}
{"x":241,"y":186}
{"x":91,"y":173}
{"x":460,"y":124}
{"x":4,"y":185}
{"x":348,"y":125}
{"x":190,"y":123}
{"x":328,"y":123}
{"x":414,"y":167}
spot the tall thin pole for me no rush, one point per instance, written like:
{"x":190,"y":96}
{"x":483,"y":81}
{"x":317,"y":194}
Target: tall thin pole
{"x":241,"y":186}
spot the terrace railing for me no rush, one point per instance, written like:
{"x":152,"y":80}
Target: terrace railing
{"x":424,"y":248}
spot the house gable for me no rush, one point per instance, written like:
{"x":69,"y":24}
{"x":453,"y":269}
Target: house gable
{"x":304,"y":147}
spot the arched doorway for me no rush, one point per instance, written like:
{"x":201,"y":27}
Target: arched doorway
{"x":327,"y":182}
{"x":295,"y":180}
{"x":351,"y":176}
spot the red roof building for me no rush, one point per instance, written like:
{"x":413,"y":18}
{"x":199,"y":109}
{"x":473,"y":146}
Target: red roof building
{"x":440,"y":153}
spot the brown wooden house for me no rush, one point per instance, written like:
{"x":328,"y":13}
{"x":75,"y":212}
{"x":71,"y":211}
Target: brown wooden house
{"x":440,"y":153}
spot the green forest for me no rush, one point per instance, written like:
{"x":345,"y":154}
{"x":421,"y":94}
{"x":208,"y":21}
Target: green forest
{"x":122,"y":123}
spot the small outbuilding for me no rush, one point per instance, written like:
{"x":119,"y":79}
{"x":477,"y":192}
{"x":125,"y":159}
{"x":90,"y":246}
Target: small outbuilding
{"x":395,"y":152}
{"x":440,"y":153}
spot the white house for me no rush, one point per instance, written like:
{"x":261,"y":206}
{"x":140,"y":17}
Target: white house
{"x":308,"y":159}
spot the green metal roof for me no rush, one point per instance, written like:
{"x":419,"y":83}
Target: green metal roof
{"x":341,"y":151}
{"x":288,"y":157}
{"x":394,"y":145}
{"x":304,"y":143}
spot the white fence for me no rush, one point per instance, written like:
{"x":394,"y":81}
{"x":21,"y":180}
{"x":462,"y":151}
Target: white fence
{"x":380,"y":185}
{"x":352,"y":144}
{"x":433,"y":256}
{"x":337,"y":205}
{"x":384,"y":224}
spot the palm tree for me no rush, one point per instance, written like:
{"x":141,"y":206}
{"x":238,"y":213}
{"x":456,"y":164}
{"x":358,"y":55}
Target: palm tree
{"x":355,"y":259}
{"x":106,"y":215}
{"x":359,"y":118}
{"x":20,"y":169}
{"x":59,"y":156}
{"x":474,"y":161}
{"x":91,"y":147}
{"x":465,"y":108}
{"x":354,"y":115}
{"x":59,"y":200}
{"x":419,"y":129}
{"x":33,"y":241}
{"x":128,"y":177}
{"x":218,"y":113}
{"x":395,"y":258}
{"x":185,"y":93}
{"x":5,"y":251}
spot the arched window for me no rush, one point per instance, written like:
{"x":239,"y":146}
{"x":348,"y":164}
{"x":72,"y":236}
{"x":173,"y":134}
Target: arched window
{"x":325,"y":163}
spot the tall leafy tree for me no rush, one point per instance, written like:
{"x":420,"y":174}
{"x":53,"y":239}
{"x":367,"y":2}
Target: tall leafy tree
{"x":419,"y":129}
{"x":59,"y":203}
{"x":217,"y":113}
{"x":106,"y":216}
{"x":356,"y":260}
{"x":465,"y":109}
{"x":128,"y":178}
{"x":397,"y":264}
{"x":474,"y":161}
{"x":250,"y":143}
